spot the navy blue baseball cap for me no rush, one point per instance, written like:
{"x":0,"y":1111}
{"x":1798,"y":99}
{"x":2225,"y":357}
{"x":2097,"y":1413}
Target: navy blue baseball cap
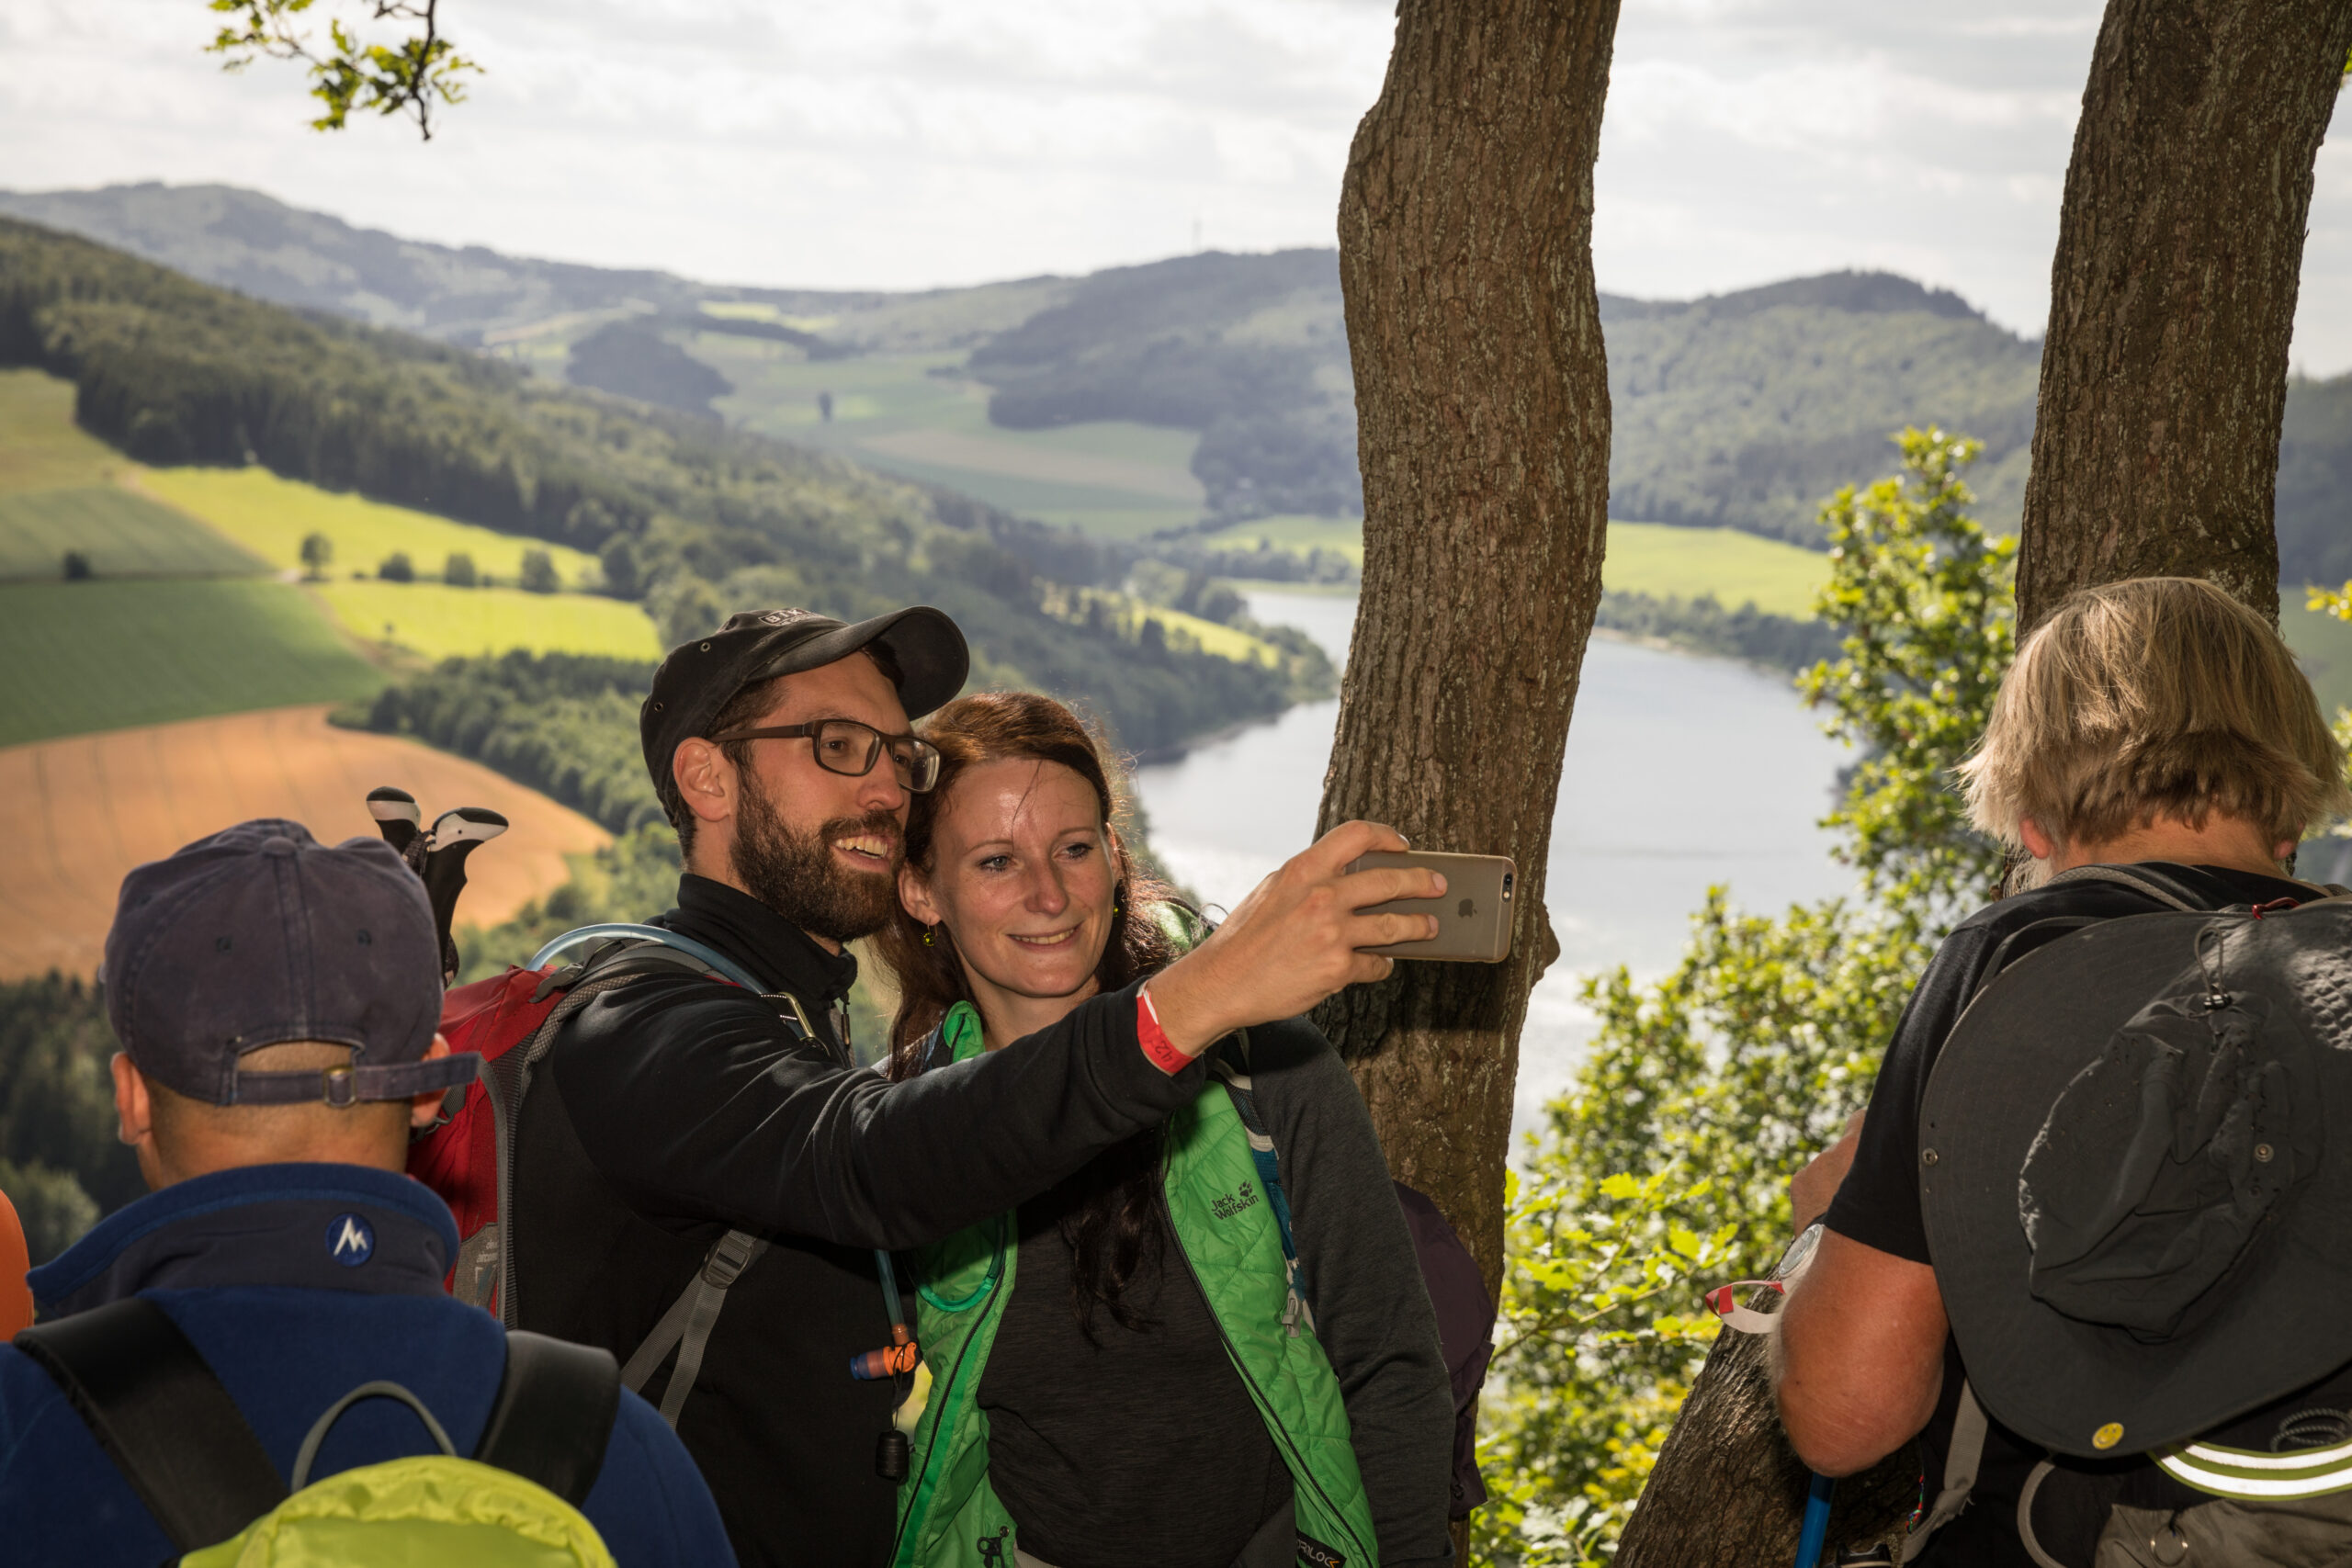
{"x":259,"y":935}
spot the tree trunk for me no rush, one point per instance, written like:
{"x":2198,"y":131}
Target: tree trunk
{"x":1728,"y":1493}
{"x":2172,"y":298}
{"x":1482,"y":397}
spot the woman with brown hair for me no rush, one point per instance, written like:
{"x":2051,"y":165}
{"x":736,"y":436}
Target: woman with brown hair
{"x":1212,"y":1347}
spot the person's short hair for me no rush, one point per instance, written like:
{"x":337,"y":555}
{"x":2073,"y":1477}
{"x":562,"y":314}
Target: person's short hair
{"x":2155,"y":697}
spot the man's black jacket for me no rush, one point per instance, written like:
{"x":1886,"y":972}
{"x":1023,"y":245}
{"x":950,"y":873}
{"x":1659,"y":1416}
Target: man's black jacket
{"x":675,"y":1108}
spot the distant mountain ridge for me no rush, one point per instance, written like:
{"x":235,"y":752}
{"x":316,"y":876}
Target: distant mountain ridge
{"x":1743,"y":409}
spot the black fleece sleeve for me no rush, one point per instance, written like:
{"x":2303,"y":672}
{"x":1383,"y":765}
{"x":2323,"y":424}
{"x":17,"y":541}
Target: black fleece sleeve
{"x":694,"y":1102}
{"x":1363,"y":1283}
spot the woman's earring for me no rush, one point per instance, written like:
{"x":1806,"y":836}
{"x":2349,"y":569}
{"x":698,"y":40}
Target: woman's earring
{"x":926,"y":936}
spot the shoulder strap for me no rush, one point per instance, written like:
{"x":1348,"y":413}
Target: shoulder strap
{"x":622,"y":953}
{"x":2144,"y":879}
{"x":554,"y":1414}
{"x":686,"y":1327}
{"x":1231,"y":1064}
{"x":2026,"y":938}
{"x":162,"y":1416}
{"x":1961,"y":1460}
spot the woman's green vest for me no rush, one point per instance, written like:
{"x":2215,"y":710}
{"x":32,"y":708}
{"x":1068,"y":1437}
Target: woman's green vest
{"x":949,"y":1516}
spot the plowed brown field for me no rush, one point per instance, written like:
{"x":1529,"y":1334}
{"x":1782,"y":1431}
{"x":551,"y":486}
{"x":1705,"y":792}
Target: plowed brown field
{"x":89,"y":807}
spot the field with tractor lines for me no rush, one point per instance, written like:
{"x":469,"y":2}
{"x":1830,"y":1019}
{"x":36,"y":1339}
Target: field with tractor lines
{"x":93,"y":807}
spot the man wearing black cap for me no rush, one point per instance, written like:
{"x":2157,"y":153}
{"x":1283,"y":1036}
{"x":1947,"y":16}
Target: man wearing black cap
{"x":684,"y":1110}
{"x":277,"y":1000}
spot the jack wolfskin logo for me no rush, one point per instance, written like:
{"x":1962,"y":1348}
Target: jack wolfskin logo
{"x":992,"y":1545}
{"x":351,"y":1240}
{"x":1232,"y":1203}
{"x":1314,"y":1553}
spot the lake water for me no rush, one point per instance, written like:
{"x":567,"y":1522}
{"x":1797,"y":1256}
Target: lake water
{"x":1679,"y":772}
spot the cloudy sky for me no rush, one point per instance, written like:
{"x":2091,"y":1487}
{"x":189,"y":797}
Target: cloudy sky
{"x":898,"y":143}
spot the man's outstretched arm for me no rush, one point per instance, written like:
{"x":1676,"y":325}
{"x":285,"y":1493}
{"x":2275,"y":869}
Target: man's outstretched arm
{"x":694,"y":1103}
{"x":1860,"y":1360}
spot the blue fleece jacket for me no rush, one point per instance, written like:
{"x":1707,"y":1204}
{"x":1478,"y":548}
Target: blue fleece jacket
{"x":297,"y":1283}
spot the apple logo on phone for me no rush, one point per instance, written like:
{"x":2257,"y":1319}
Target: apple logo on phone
{"x":1467,"y":908}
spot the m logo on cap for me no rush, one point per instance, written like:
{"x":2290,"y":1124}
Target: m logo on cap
{"x":351,"y":1240}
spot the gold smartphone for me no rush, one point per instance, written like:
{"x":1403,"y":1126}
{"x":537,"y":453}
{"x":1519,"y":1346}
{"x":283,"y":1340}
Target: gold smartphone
{"x":1473,"y":918}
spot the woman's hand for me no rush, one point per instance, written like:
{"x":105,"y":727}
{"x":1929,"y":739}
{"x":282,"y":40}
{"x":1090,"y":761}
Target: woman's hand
{"x":1294,"y":939}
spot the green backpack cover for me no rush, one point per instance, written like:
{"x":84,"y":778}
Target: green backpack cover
{"x":433,"y":1512}
{"x":162,"y":1416}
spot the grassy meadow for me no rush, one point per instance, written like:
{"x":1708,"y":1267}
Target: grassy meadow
{"x":271,"y":516}
{"x":187,"y":617}
{"x":40,"y":446}
{"x":1644,"y":558}
{"x":120,"y":532}
{"x":441,"y":623}
{"x":918,"y":415}
{"x":91,"y":656}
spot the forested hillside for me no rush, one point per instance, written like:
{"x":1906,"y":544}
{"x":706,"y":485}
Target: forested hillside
{"x":1739,"y":410}
{"x":1250,"y":351}
{"x":693,"y":517}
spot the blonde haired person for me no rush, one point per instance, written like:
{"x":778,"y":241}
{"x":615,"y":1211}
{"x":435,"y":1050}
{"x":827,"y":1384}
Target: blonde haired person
{"x":2154,"y":722}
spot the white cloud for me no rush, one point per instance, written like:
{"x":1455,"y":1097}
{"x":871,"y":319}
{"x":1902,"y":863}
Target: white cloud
{"x":898,"y":143}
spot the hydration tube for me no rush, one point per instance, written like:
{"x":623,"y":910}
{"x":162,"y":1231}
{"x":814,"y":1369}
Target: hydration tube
{"x":611,"y":929}
{"x":1817,"y":1495}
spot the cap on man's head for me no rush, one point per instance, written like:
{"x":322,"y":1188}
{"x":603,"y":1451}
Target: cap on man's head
{"x":260,"y":935}
{"x":701,"y":677}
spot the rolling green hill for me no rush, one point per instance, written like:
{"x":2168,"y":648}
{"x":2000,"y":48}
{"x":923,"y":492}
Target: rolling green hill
{"x":1139,"y":400}
{"x":695,"y":516}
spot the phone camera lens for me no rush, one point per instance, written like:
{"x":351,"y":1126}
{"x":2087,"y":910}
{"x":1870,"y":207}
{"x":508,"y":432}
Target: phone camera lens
{"x":1507,"y":876}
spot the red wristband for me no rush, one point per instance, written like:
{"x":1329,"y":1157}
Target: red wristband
{"x":1154,"y":1040}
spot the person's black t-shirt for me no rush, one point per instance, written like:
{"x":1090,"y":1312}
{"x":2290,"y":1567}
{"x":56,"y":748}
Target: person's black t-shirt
{"x":1122,"y":1445}
{"x":1878,"y":1205}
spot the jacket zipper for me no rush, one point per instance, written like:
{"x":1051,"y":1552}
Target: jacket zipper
{"x":1300,"y":1469}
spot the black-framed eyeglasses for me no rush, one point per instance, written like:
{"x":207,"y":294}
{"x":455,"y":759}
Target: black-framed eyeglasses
{"x":845,"y":746}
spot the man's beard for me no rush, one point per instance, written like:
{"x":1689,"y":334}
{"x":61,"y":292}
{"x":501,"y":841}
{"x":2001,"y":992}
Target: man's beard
{"x":797,"y":875}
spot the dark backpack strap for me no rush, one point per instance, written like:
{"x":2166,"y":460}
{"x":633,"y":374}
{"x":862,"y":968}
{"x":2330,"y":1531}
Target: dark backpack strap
{"x":162,"y":1416}
{"x":2027,"y":940}
{"x":686,"y":1327}
{"x":2144,"y":879}
{"x":554,"y":1415}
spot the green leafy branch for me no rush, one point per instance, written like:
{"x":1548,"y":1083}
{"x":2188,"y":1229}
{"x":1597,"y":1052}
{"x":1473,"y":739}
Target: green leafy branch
{"x":405,"y":78}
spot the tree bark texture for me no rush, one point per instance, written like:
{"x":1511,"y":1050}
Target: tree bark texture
{"x":2172,"y":300}
{"x":1728,"y":1492}
{"x":1482,"y":397}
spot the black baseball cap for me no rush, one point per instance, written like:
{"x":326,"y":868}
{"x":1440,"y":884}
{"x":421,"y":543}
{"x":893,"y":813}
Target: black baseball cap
{"x":701,"y":677}
{"x":2135,"y":1176}
{"x":259,"y":935}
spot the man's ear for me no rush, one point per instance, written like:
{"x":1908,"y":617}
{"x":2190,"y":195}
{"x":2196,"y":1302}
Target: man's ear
{"x":133,"y":1116}
{"x":2037,"y":844}
{"x":424,"y":1109}
{"x":914,"y":894}
{"x":706,"y":778}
